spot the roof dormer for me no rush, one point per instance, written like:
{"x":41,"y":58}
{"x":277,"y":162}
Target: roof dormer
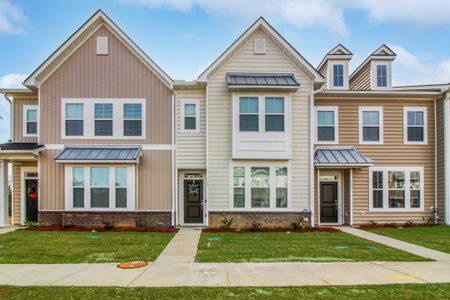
{"x":375,"y":73}
{"x":334,"y":67}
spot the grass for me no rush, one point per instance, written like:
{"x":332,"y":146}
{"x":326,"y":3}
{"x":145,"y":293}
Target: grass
{"x":282,"y":246}
{"x":405,"y":291}
{"x":435,"y":237}
{"x":51,"y":247}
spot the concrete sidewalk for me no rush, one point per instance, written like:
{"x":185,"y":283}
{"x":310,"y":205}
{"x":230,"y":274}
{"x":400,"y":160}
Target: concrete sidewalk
{"x":397,"y":244}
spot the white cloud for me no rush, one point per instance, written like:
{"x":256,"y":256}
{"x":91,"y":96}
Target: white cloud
{"x":12,"y":80}
{"x":12,"y":20}
{"x":410,"y":68}
{"x":326,"y":14}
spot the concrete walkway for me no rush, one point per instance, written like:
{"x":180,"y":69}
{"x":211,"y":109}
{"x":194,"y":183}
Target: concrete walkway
{"x":7,"y":229}
{"x":176,"y":267}
{"x":397,"y":244}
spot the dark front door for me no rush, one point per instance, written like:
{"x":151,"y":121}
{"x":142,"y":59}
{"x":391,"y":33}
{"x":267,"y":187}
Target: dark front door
{"x":193,"y":201}
{"x":31,"y":199}
{"x":328,"y":202}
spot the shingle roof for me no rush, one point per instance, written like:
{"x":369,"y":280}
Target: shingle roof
{"x":262,"y":79}
{"x":19,"y":146}
{"x":340,"y":156}
{"x":99,"y":154}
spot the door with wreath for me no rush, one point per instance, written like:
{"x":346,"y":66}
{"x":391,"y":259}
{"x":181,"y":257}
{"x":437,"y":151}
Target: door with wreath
{"x":193,"y":201}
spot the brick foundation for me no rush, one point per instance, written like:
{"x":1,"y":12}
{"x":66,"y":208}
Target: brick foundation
{"x":105,"y":219}
{"x":264,"y":219}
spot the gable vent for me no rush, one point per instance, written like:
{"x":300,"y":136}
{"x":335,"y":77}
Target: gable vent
{"x":260,"y":46}
{"x":102,"y":45}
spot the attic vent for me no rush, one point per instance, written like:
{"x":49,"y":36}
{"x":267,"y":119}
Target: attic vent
{"x":260,"y":46}
{"x":102,"y":45}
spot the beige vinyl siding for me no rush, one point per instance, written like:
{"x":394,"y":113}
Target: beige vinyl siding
{"x":17,"y":191}
{"x":120,"y":74}
{"x":440,"y":180}
{"x":392,"y":153}
{"x":191,"y":147}
{"x":361,"y":80}
{"x":220,"y":123}
{"x":324,"y":72}
{"x":18,"y":120}
{"x":153,"y":181}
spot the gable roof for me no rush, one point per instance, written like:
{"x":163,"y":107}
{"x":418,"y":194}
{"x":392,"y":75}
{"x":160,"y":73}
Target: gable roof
{"x":262,"y":24}
{"x":338,"y":52}
{"x":64,"y":51}
{"x":383,"y":52}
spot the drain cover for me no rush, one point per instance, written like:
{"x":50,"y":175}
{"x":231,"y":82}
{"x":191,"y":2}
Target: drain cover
{"x":132,"y":264}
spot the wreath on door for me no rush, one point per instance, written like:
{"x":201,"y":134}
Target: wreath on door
{"x":32,"y":194}
{"x":194,"y":188}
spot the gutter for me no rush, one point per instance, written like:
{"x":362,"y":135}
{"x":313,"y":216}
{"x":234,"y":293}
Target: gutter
{"x":446,"y":161}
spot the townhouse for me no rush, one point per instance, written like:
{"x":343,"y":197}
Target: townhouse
{"x":102,"y":136}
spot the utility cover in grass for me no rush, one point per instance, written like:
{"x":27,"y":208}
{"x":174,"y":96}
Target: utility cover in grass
{"x":213,"y":239}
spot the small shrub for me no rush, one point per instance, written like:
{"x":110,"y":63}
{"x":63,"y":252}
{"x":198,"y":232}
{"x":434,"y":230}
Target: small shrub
{"x":373,"y":222}
{"x":300,"y":225}
{"x":255,"y":225}
{"x":32,"y":224}
{"x":227,"y":222}
{"x":409,"y":223}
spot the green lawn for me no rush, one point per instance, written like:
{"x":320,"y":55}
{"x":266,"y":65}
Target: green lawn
{"x":406,"y":291}
{"x":282,"y":246}
{"x":436,"y":237}
{"x":51,"y":247}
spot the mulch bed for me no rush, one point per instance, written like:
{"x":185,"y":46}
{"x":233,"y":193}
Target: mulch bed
{"x":103,"y":229}
{"x":395,"y":225}
{"x":278,"y":229}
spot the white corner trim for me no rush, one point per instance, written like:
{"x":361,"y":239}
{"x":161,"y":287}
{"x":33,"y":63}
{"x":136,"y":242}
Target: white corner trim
{"x":379,"y":109}
{"x":26,"y":108}
{"x":335,"y":110}
{"x":406,"y":109}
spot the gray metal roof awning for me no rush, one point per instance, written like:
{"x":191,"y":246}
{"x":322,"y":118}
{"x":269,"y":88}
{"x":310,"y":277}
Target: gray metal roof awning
{"x":262,"y":81}
{"x":99,"y":154}
{"x":341,"y":158}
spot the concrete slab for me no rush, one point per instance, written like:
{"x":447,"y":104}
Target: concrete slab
{"x":182,"y":248}
{"x":4,"y":230}
{"x":433,"y":272}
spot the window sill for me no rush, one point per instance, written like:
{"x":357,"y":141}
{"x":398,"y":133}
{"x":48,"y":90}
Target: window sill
{"x":397,"y":210}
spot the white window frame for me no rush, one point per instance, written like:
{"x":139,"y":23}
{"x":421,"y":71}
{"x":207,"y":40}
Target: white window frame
{"x":331,"y":85}
{"x":380,"y":125}
{"x":102,"y":119}
{"x":89,"y":118}
{"x":197,"y":116}
{"x":131,"y":187}
{"x":272,"y":185}
{"x":405,"y":125}
{"x":373,"y":75}
{"x":273,"y":114}
{"x":386,"y":171}
{"x":26,"y":108}
{"x":261,"y":122}
{"x":335,"y":109}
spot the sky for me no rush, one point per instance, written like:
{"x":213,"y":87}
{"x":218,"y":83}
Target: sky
{"x":185,"y":36}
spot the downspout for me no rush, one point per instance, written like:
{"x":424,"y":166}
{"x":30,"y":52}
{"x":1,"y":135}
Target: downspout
{"x":174,"y":168}
{"x":435,"y":166}
{"x":446,"y":162}
{"x":311,"y":150}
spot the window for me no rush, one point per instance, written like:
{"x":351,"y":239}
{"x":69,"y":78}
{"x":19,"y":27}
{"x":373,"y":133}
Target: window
{"x":190,"y":111}
{"x":121,"y":187}
{"x":78,"y":187}
{"x":381,"y":75}
{"x":415,"y":125}
{"x":248,"y":114}
{"x":99,"y":187}
{"x":132,"y":119}
{"x":74,"y":119}
{"x":274,"y":110}
{"x":396,"y":188}
{"x":260,"y":187}
{"x":30,"y":118}
{"x":326,"y":129}
{"x":238,"y":187}
{"x":103,"y":119}
{"x":281,"y":187}
{"x":370,"y":125}
{"x":338,"y":75}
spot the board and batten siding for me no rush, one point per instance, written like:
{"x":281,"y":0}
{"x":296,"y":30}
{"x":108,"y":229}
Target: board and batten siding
{"x":191,"y":146}
{"x":18,"y":105}
{"x":393,"y":152}
{"x":120,"y":74}
{"x":153,"y":181}
{"x":220,"y":123}
{"x":361,"y":80}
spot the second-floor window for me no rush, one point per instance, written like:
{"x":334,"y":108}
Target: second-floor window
{"x":30,"y":120}
{"x":190,"y":116}
{"x":381,"y":76}
{"x":415,"y":131}
{"x":338,"y":75}
{"x":132,"y":119}
{"x":103,"y":119}
{"x":74,"y":119}
{"x":274,"y":110}
{"x":326,"y":129}
{"x":248,"y":114}
{"x":370,"y":125}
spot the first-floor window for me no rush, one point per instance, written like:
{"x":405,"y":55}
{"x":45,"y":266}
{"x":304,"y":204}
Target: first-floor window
{"x":260,"y":187}
{"x":396,"y":188}
{"x":100,"y":187}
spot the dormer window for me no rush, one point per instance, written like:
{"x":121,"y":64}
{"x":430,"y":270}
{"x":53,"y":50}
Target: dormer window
{"x":338,"y":75}
{"x":381,"y":75}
